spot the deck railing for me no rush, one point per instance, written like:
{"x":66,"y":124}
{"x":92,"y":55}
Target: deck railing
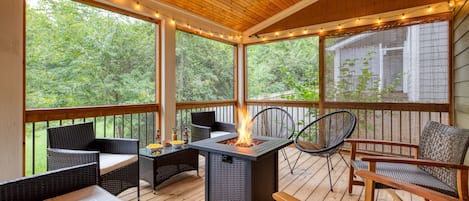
{"x":402,"y":122}
{"x":127,"y":121}
{"x":388,"y":121}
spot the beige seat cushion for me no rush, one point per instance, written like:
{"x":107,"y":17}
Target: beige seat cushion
{"x":90,"y":193}
{"x":218,"y":133}
{"x":110,"y":162}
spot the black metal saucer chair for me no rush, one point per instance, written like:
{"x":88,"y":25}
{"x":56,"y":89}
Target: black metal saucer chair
{"x":325,"y":136}
{"x":274,"y":122}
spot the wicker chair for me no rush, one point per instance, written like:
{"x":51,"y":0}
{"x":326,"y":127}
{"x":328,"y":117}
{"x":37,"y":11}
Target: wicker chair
{"x":437,"y":163}
{"x":325,"y":136}
{"x":77,"y":144}
{"x":274,"y":122}
{"x":49,"y":184}
{"x":204,"y":126}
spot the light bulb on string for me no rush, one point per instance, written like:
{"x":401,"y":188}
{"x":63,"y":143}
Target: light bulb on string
{"x":430,"y":9}
{"x":379,"y":20}
{"x":403,"y":16}
{"x":137,"y":6}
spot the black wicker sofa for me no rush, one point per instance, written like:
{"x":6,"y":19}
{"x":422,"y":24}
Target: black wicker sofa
{"x":71,"y":183}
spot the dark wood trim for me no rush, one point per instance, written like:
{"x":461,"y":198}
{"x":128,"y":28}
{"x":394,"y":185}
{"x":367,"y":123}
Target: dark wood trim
{"x":450,"y":73}
{"x":24,"y":91}
{"x":118,"y":10}
{"x":191,"y":105}
{"x":424,"y":107}
{"x":37,"y":115}
{"x":158,"y":74}
{"x":191,"y":31}
{"x":322,"y":75}
{"x":282,"y":39}
{"x":283,"y":103}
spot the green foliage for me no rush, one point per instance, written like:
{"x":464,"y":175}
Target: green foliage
{"x":363,"y":87}
{"x":204,"y":69}
{"x":276,"y":69}
{"x":77,"y":55}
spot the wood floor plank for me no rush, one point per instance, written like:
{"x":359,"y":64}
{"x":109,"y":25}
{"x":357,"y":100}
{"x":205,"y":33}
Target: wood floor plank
{"x":309,"y":181}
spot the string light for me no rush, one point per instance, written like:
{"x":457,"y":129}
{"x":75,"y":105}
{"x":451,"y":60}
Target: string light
{"x":137,"y":6}
{"x":430,"y":9}
{"x":156,"y":14}
{"x":305,"y":31}
{"x":321,"y":30}
{"x":403,"y":16}
{"x":291,"y":34}
{"x":451,"y":4}
{"x":379,"y":21}
{"x":339,"y":26}
{"x":357,"y":20}
{"x":264,"y":38}
{"x":277,"y":33}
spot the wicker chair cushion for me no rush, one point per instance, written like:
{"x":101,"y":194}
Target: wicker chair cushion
{"x":218,"y":133}
{"x":86,"y":194}
{"x":110,"y":162}
{"x":445,"y":143}
{"x":407,"y":173}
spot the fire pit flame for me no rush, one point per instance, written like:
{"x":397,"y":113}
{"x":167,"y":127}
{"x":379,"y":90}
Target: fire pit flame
{"x":244,"y":133}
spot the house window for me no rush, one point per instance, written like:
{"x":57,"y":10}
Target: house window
{"x":79,"y":55}
{"x":283,"y":70}
{"x":204,"y":69}
{"x":405,"y":64}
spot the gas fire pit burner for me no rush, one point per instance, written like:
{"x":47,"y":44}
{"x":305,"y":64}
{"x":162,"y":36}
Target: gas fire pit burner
{"x":232,"y":142}
{"x":240,"y":173}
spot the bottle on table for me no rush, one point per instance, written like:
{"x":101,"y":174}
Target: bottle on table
{"x":158,"y":137}
{"x":186,"y":136}
{"x":175,"y":135}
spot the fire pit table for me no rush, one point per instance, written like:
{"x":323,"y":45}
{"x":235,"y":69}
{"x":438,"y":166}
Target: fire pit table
{"x":240,"y":173}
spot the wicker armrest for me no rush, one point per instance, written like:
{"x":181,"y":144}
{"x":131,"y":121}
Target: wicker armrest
{"x":223,"y":126}
{"x":415,"y":162}
{"x":50,"y":184}
{"x":199,"y":132}
{"x":61,"y":158}
{"x":116,"y":145}
{"x":411,"y":188}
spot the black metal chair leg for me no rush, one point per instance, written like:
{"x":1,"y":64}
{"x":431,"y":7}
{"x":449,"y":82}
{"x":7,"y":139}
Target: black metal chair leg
{"x":291,"y":170}
{"x":342,"y":156}
{"x":329,"y":171}
{"x":286,"y":158}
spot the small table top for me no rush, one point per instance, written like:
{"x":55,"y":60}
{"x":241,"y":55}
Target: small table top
{"x":162,"y":152}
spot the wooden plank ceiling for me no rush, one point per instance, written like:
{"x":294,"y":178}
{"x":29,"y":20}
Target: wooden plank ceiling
{"x":236,"y":14}
{"x":324,"y":11}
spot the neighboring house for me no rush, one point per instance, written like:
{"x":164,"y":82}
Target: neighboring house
{"x":417,"y":54}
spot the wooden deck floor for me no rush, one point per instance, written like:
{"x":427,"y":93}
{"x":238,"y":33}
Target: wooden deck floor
{"x":308,"y":182}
